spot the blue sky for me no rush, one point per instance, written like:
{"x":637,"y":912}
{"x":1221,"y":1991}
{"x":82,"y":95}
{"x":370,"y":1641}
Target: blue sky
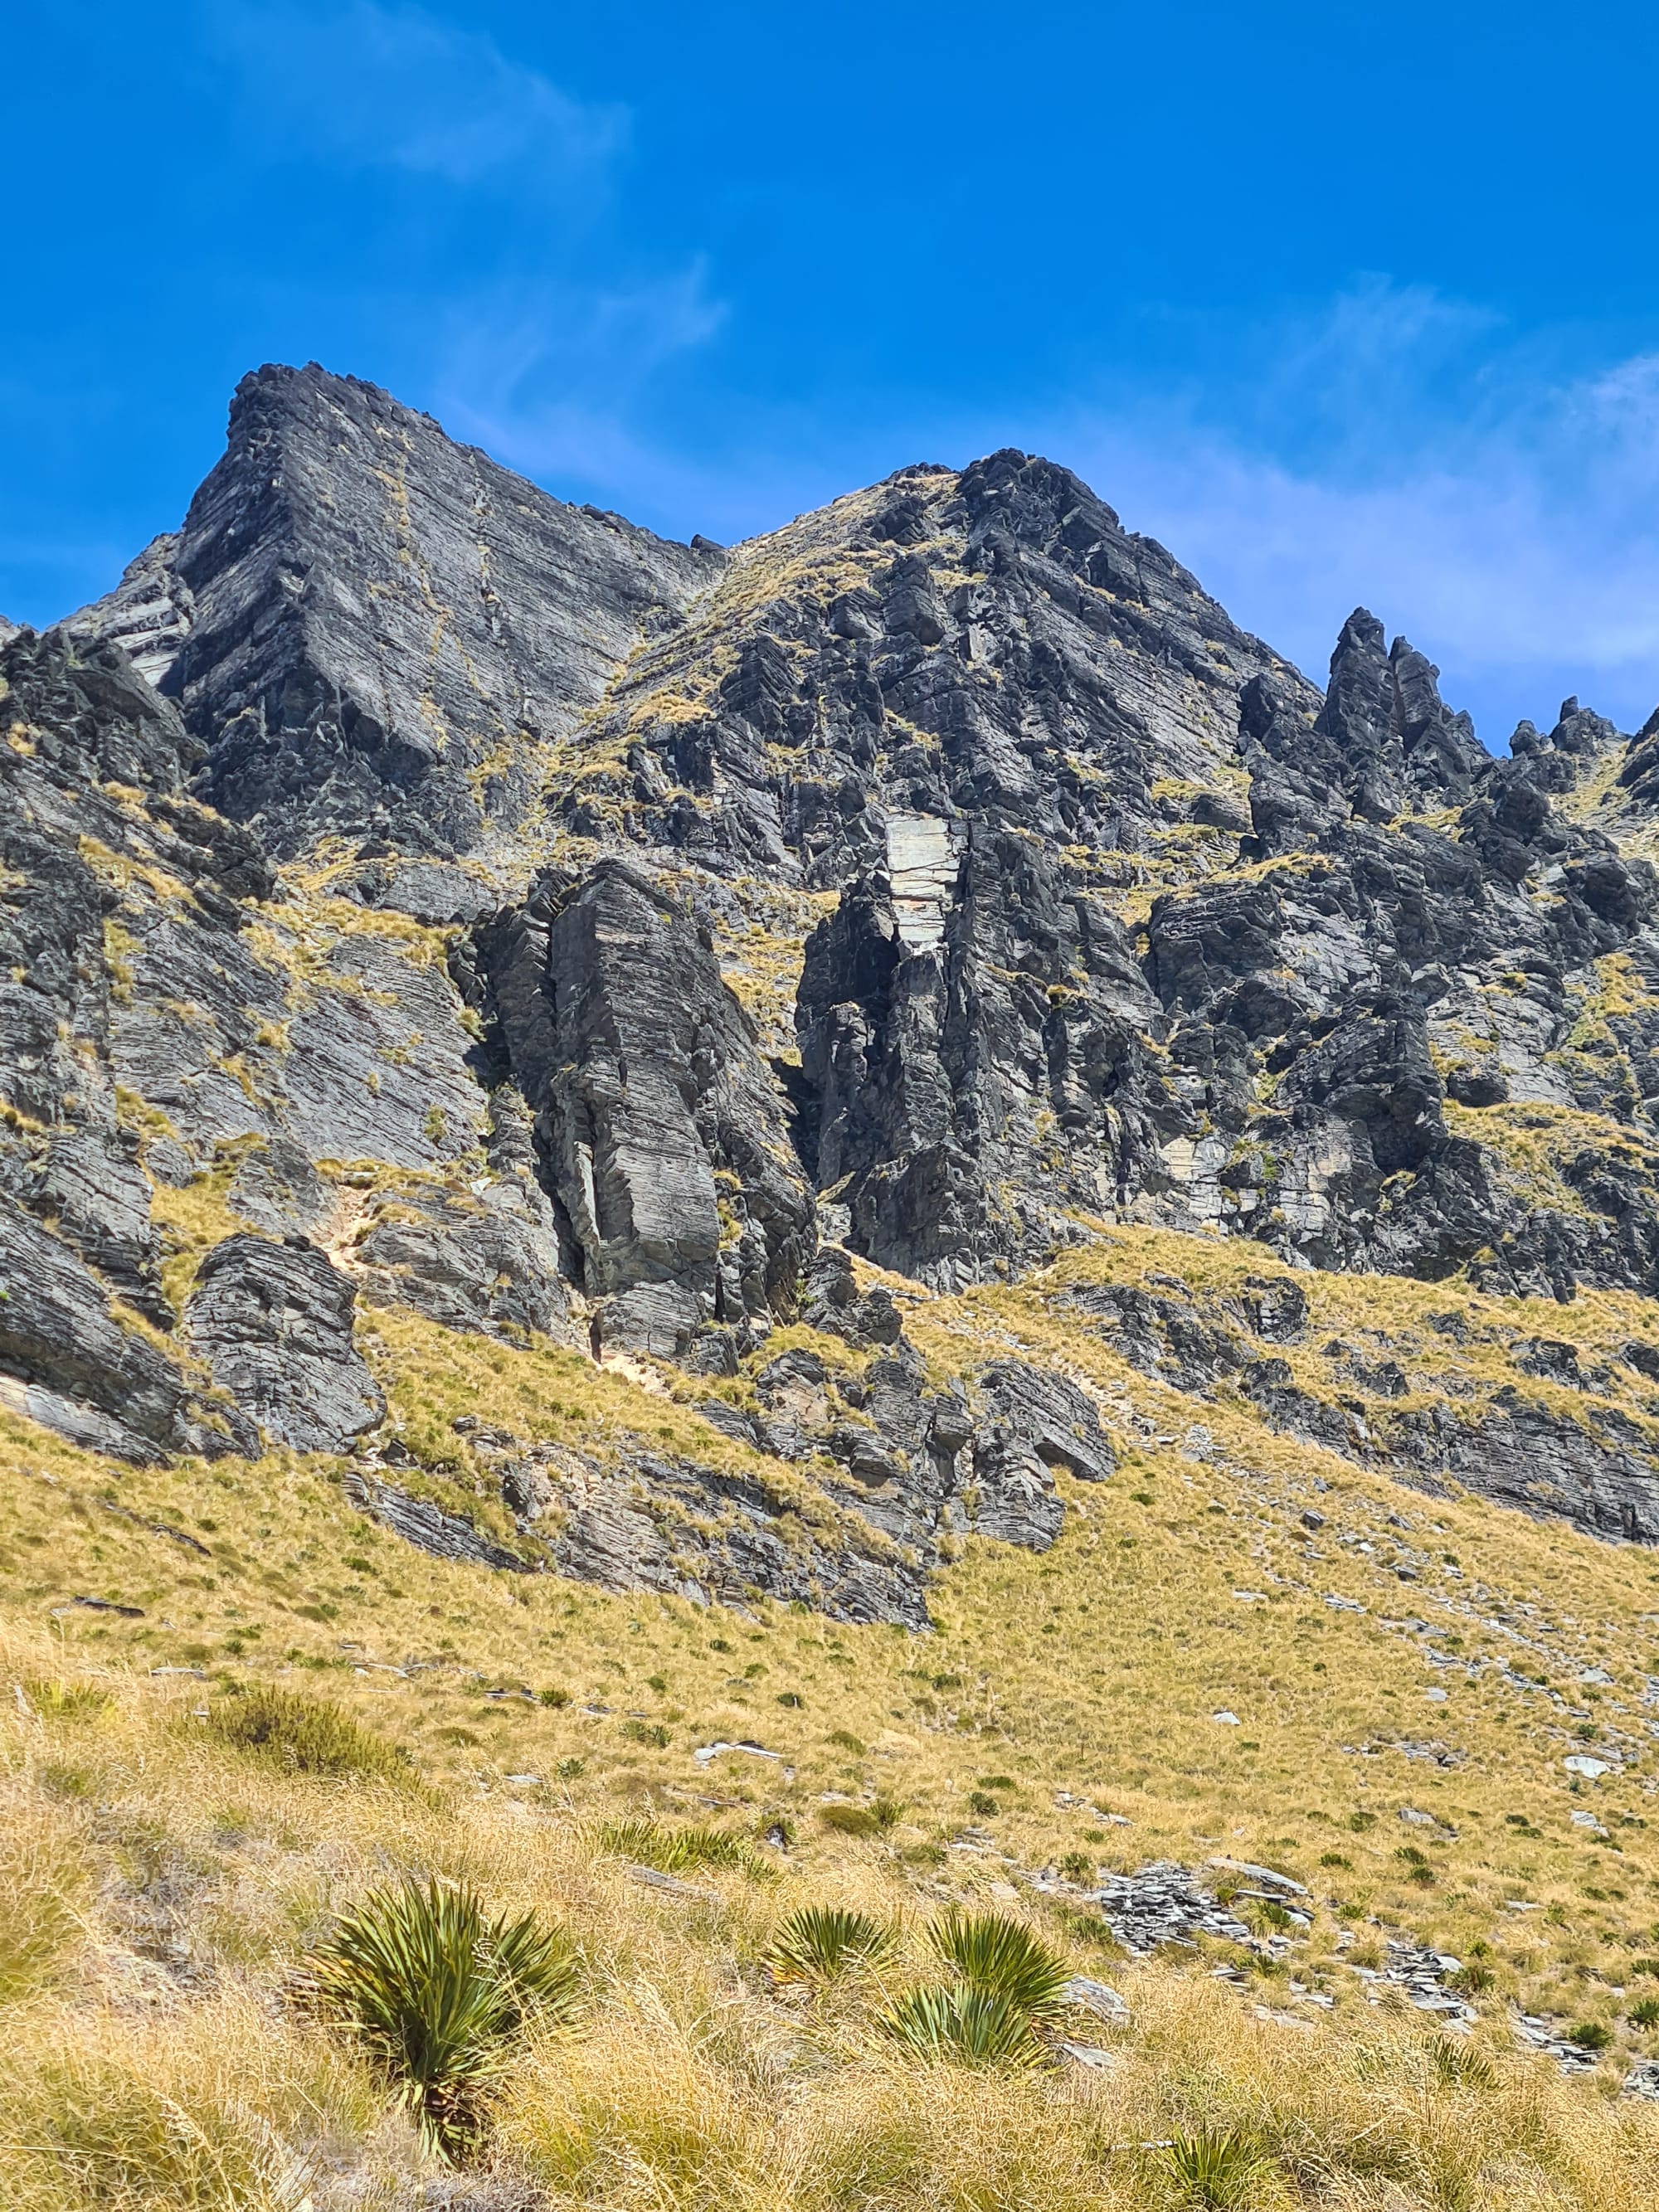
{"x":1342,"y":303}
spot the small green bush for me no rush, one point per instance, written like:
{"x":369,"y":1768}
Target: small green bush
{"x":820,"y":1942}
{"x":1645,"y":2014}
{"x":304,"y":1735}
{"x":437,"y":1994}
{"x":1591,"y":2033}
{"x":849,"y":1819}
{"x":969,"y":2026}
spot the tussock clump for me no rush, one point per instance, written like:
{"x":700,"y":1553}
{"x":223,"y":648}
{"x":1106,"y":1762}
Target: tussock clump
{"x":674,"y":1850}
{"x":822,"y":1942}
{"x":304,"y":1735}
{"x":41,"y":1880}
{"x":55,"y":1699}
{"x":437,"y":1993}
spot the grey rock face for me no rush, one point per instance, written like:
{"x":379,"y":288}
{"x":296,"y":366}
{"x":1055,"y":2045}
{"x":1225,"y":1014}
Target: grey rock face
{"x":478,"y":1262}
{"x":148,"y":614}
{"x":674,"y":1526}
{"x":420,"y":1522}
{"x":1598,"y":1468}
{"x":1100,"y":912}
{"x":975,"y":1078}
{"x":89,"y":1183}
{"x":378,"y":631}
{"x":67,"y":1363}
{"x":273,"y":1322}
{"x":662,"y":1133}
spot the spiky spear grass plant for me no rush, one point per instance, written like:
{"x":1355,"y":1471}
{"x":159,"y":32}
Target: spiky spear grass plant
{"x":1001,"y":1958}
{"x":974,"y":2028}
{"x":1213,"y":2169}
{"x":820,"y":1942}
{"x":437,"y":1993}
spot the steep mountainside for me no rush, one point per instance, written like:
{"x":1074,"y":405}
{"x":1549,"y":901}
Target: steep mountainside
{"x":887,"y":1190}
{"x":422,"y":893}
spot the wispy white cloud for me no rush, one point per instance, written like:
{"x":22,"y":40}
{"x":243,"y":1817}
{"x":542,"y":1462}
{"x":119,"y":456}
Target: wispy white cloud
{"x":365,"y":84}
{"x":1399,"y":451}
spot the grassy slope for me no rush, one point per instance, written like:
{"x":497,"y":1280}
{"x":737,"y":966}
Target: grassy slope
{"x":171,"y":1885}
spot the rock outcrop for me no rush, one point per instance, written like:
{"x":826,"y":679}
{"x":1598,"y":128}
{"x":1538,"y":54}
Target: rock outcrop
{"x":377,"y":631}
{"x":273,"y":1322}
{"x":420,"y":893}
{"x":662,"y":1133}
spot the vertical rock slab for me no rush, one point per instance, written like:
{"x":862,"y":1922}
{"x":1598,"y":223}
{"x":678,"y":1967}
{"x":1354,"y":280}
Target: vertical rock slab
{"x":969,"y":1029}
{"x":662,"y":1134}
{"x":273,"y":1322}
{"x":67,"y":1362}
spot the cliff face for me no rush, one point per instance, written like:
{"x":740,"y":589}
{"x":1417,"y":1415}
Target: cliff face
{"x":381,"y":632}
{"x":422,"y":894}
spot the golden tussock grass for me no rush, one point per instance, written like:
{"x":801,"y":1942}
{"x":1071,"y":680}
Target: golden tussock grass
{"x":163,"y":1884}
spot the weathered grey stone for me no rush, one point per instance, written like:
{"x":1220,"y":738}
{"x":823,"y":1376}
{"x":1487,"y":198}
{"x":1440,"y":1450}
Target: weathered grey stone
{"x":426,"y":1526}
{"x":90,"y":1186}
{"x":276,"y":1189}
{"x":663,"y":1134}
{"x":469,"y":1260}
{"x":66,"y":1362}
{"x":274,"y":1324}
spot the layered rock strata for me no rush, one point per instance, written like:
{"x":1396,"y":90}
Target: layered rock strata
{"x":421,"y":894}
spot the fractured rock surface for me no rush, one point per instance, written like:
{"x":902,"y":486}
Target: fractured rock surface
{"x":273,"y":1322}
{"x":417,"y":892}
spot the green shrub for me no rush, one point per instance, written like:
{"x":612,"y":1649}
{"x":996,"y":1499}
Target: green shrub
{"x":849,"y":1819}
{"x":306,"y":1736}
{"x":1591,"y":2034}
{"x":847,"y":1741}
{"x":1645,"y":2014}
{"x":822,"y":1941}
{"x":670,"y":1851}
{"x":997,"y":1957}
{"x":981,"y":1803}
{"x":57,"y":1700}
{"x":437,"y":1994}
{"x":1213,"y":2169}
{"x":971,"y":2027}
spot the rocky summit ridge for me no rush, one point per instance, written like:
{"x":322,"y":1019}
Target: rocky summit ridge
{"x":422,"y":894}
